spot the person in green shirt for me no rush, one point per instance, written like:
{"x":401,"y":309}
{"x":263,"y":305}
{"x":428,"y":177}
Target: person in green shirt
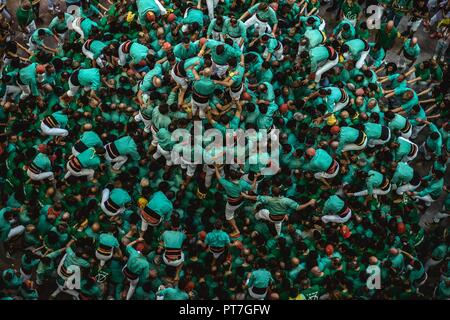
{"x":90,"y":79}
{"x":36,"y":41}
{"x":117,"y":152}
{"x":85,"y":163}
{"x":376,"y":183}
{"x":28,"y":79}
{"x":276,"y":208}
{"x":93,"y":49}
{"x":149,"y":11}
{"x":259,"y":281}
{"x":235,"y":30}
{"x":433,"y":191}
{"x":173,"y":241}
{"x":335,"y":210}
{"x":54,"y":124}
{"x":58,"y":25}
{"x":411,"y":50}
{"x":321,"y":164}
{"x":178,"y":293}
{"x":137,"y":268}
{"x":386,"y":35}
{"x":261,"y":16}
{"x":89,"y":139}
{"x":107,"y":244}
{"x":351,"y":11}
{"x":158,"y":208}
{"x":114,"y":201}
{"x":41,"y":167}
{"x":235,"y":187}
{"x":405,"y":178}
{"x":218,"y":242}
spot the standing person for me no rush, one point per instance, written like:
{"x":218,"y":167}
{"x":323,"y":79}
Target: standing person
{"x":137,"y":267}
{"x":117,"y":152}
{"x":404,"y":150}
{"x":7,"y":231}
{"x":54,"y":124}
{"x":234,"y":188}
{"x":336,"y":210}
{"x":432,"y":191}
{"x":107,"y":243}
{"x":405,"y":178}
{"x":114,"y":201}
{"x":41,"y":167}
{"x":158,"y":208}
{"x":89,"y":139}
{"x":89,"y":79}
{"x":377,"y":184}
{"x":218,"y":241}
{"x":259,"y":281}
{"x":411,"y":50}
{"x":28,"y":79}
{"x":376,"y":134}
{"x":321,"y":164}
{"x":321,"y":59}
{"x":350,"y":139}
{"x":235,"y":30}
{"x":84,"y":164}
{"x":418,"y":13}
{"x":202,"y":90}
{"x":399,"y":124}
{"x":387,"y":35}
{"x":276,"y":208}
{"x":173,"y":240}
{"x":261,"y":15}
{"x":26,"y":17}
{"x":358,"y":49}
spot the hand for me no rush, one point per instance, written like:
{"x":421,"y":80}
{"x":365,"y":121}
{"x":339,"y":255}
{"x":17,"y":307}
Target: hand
{"x":312,"y":202}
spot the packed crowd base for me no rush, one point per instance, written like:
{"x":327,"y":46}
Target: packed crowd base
{"x":95,"y":204}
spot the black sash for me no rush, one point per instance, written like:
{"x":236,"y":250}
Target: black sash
{"x":112,"y":150}
{"x":172,"y":254}
{"x":75,"y":164}
{"x":415,"y":181}
{"x":104,"y":250}
{"x":259,"y":291}
{"x":384,"y":133}
{"x":150,"y":215}
{"x":199,"y":98}
{"x":129,"y":274}
{"x":179,"y":69}
{"x":74,"y":78}
{"x":217,"y":249}
{"x":50,"y":122}
{"x":361,"y":138}
{"x":111,"y":205}
{"x":385,"y":184}
{"x":34,"y":168}
{"x":413,"y":150}
{"x":80,"y":146}
{"x":126,"y":46}
{"x":407,"y":127}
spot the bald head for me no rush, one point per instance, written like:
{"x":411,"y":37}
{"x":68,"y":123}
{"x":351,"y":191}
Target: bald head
{"x":390,"y":25}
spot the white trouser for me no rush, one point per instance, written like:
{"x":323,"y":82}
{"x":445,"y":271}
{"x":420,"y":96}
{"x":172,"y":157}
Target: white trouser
{"x":24,"y":276}
{"x":354,"y":147}
{"x":336,"y":218}
{"x":181,"y":81}
{"x":236,"y":95}
{"x":406,"y":187}
{"x":90,"y":55}
{"x":414,"y":24}
{"x":122,"y":56}
{"x":236,"y":40}
{"x":278,"y":54}
{"x":218,"y":69}
{"x":102,"y":258}
{"x":75,"y":152}
{"x":83,"y":172}
{"x":230,"y":210}
{"x":200,"y":107}
{"x":408,"y":134}
{"x":260,"y":26}
{"x":408,"y":158}
{"x":423,"y":149}
{"x":255,"y":295}
{"x":40,"y":176}
{"x":416,"y":130}
{"x":166,"y":154}
{"x":211,"y":4}
{"x":73,"y":89}
{"x":105,"y":197}
{"x":154,"y":137}
{"x":264,"y":214}
{"x":361,"y":59}
{"x":12,"y":91}
{"x":209,"y":172}
{"x":147,"y":123}
{"x":118,"y":162}
{"x":325,"y":175}
{"x":174,"y":263}
{"x":338,"y":106}
{"x":322,"y":25}
{"x":53,"y":131}
{"x":377,"y":192}
{"x":188,"y":166}
{"x":376,"y":142}
{"x":431,"y":263}
{"x":14,"y":232}
{"x":31,"y":45}
{"x":427,"y":199}
{"x":327,"y":66}
{"x":76,"y":25}
{"x":26,"y":90}
{"x":145,"y":224}
{"x":133,"y":284}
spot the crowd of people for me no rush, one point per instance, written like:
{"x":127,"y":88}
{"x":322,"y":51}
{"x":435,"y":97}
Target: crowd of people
{"x":96,"y":204}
